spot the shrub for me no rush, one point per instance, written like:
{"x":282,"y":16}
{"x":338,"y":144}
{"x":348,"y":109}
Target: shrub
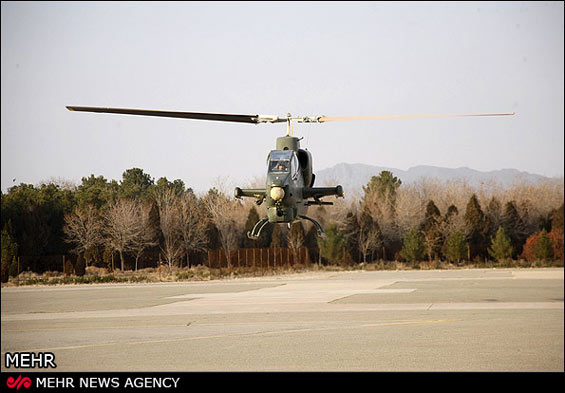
{"x":540,"y":246}
{"x":528,"y":252}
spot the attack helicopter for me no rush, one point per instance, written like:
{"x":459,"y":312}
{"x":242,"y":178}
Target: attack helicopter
{"x":289,"y":188}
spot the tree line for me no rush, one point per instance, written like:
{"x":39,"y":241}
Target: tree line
{"x":139,"y":222}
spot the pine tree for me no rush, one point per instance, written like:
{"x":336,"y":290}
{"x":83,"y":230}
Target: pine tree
{"x":514,"y":227}
{"x":430,"y":228}
{"x":558,"y":239}
{"x":476,"y":227}
{"x":332,"y":246}
{"x":557,"y":218}
{"x":383,"y":185}
{"x":501,"y":247}
{"x":311,"y":243}
{"x":544,"y":248}
{"x":455,"y":247}
{"x":13,"y":268}
{"x":9,"y":247}
{"x":494,"y":214}
{"x":135,"y":184}
{"x":413,"y":247}
{"x":252,"y":219}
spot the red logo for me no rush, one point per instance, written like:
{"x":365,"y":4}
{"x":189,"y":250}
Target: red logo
{"x":17,"y":383}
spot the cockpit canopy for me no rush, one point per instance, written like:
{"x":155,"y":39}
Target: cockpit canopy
{"x":282,"y":162}
{"x":279,"y":161}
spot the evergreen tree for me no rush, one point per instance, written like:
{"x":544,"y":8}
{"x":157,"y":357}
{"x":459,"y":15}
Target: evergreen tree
{"x":37,"y":217}
{"x":384,"y":185}
{"x":332,"y":246}
{"x":544,"y":247}
{"x":135,"y":184}
{"x":13,"y":269}
{"x":155,"y":225}
{"x":9,"y":247}
{"x":455,"y":247}
{"x":96,"y":191}
{"x":380,"y":201}
{"x":351,"y":231}
{"x":450,"y":221}
{"x":557,"y":218}
{"x":413,"y":248}
{"x":476,"y":227}
{"x":494,"y":214}
{"x":557,"y":236}
{"x":430,"y":228}
{"x":163,"y":184}
{"x":311,"y":243}
{"x":452,"y":211}
{"x":514,"y":227}
{"x":501,"y":247}
{"x":252,"y":219}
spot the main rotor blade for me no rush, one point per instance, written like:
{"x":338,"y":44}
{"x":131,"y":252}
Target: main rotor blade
{"x":343,"y":118}
{"x":183,"y":115}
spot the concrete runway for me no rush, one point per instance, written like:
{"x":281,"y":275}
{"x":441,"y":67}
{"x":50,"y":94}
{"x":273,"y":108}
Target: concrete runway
{"x":437,"y":320}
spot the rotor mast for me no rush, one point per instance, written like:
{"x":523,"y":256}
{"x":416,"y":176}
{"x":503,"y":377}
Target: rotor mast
{"x":289,"y":131}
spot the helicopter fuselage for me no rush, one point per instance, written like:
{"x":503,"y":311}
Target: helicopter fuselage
{"x":289,"y":186}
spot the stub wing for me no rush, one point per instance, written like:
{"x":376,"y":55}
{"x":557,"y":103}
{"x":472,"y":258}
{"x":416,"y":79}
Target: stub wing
{"x":319,"y":192}
{"x":249,"y":192}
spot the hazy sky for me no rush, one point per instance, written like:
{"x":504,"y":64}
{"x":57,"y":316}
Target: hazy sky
{"x":306,"y":58}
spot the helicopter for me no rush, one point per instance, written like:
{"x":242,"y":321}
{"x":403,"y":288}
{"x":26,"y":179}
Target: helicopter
{"x":289,"y":188}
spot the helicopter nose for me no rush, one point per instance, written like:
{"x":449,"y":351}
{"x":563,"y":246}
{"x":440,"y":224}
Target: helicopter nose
{"x":277,"y":193}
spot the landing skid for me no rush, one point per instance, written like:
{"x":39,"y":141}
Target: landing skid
{"x":257,"y":228}
{"x":321,"y":232}
{"x":256,"y":231}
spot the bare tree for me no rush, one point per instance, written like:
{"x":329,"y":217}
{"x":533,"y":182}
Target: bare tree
{"x":228,"y":216}
{"x":410,"y":208}
{"x":83,"y":227}
{"x":121,"y":226}
{"x":295,"y":238}
{"x":168,"y":203}
{"x":369,"y":236}
{"x":192,"y":224}
{"x":382,"y":208}
{"x":146,"y":234}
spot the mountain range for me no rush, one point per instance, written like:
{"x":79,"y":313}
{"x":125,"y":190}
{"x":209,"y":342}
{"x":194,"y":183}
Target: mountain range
{"x":353,"y":176}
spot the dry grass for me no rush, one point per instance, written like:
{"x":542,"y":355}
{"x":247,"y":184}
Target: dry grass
{"x":95,"y":275}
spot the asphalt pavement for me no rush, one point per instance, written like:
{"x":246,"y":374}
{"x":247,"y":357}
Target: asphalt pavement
{"x":432,"y":320}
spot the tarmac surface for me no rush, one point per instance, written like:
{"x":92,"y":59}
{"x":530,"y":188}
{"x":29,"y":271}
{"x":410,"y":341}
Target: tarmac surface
{"x":433,"y":320}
